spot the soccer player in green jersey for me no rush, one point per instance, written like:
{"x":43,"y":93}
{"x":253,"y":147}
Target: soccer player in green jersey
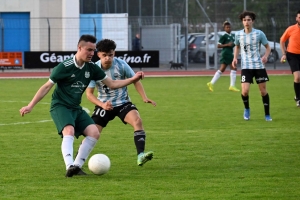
{"x":226,"y":42}
{"x":72,"y":77}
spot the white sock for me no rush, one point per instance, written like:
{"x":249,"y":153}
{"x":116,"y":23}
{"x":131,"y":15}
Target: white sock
{"x":232,"y":77}
{"x":84,"y":150}
{"x":216,"y":77}
{"x":67,"y":150}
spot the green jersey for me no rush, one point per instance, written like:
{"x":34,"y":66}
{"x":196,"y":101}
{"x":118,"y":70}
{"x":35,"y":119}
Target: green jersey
{"x":225,"y":39}
{"x":72,"y":81}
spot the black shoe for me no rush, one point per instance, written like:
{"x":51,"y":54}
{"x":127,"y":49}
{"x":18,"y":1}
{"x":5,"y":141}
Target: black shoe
{"x":81,"y":173}
{"x":73,"y":170}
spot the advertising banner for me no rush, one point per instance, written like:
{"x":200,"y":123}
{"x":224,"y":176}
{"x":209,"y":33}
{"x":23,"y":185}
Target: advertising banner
{"x":11,"y":59}
{"x":45,"y":59}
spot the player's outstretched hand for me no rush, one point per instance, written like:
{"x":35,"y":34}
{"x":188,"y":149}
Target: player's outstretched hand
{"x":107,"y":105}
{"x":150,"y":101}
{"x":25,"y":110}
{"x":138,"y":76}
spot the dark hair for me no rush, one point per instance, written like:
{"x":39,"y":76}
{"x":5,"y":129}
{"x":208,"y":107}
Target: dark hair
{"x":106,"y":45}
{"x":252,"y":15}
{"x":298,"y":12}
{"x":88,"y":38}
{"x":226,"y":23}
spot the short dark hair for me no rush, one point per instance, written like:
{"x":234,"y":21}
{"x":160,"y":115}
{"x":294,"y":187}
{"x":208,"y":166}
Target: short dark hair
{"x":88,"y":38}
{"x":106,"y":45}
{"x":298,"y":12}
{"x":226,"y":23}
{"x":252,"y":15}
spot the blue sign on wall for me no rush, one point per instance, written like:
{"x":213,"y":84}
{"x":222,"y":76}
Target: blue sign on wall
{"x":15,"y":31}
{"x":91,"y":24}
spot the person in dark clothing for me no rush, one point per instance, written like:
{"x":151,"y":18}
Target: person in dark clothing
{"x":136,"y":43}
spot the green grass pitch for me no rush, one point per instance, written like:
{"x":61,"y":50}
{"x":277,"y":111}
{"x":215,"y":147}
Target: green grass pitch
{"x":203,"y":147}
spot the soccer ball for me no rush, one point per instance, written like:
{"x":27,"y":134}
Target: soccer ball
{"x":99,"y":164}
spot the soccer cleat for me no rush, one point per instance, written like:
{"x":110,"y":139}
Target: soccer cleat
{"x":295,"y":98}
{"x":144,"y":157}
{"x":298,"y":103}
{"x":268,"y":118}
{"x":233,"y":88}
{"x":247,"y":114}
{"x":73,"y":170}
{"x":81,"y":173}
{"x":210,"y":86}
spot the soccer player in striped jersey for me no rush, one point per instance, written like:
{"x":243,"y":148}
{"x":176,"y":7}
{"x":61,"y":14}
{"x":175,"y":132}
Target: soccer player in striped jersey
{"x":116,"y":102}
{"x":72,"y":77}
{"x":248,"y":41}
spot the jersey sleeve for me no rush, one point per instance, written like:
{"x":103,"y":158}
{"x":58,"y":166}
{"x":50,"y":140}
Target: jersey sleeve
{"x":263,"y":38}
{"x":237,"y":39}
{"x":128,"y":72}
{"x":57,"y":73}
{"x":221,"y":40}
{"x":92,"y":84}
{"x":285,"y":36}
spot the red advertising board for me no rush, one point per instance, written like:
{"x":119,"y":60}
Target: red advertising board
{"x":11,"y":59}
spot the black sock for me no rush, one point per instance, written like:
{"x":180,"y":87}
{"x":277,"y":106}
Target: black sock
{"x":139,"y":140}
{"x":266,"y":102}
{"x":246,"y":101}
{"x":297,"y":90}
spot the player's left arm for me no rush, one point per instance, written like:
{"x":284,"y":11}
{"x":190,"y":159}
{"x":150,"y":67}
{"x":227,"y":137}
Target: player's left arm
{"x":264,"y":41}
{"x":128,"y":73}
{"x":140,"y":89}
{"x":264,"y":59}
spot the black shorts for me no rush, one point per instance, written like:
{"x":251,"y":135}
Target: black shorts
{"x":260,"y":75}
{"x":294,"y":61}
{"x":102,"y":117}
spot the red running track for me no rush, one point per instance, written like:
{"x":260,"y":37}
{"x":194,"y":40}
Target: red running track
{"x":147,"y":73}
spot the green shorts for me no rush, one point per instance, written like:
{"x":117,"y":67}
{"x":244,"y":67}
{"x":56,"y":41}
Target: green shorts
{"x":78,"y":118}
{"x":226,"y":59}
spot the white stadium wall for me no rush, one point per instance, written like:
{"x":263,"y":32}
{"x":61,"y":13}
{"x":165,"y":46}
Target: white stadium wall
{"x":63,"y":18}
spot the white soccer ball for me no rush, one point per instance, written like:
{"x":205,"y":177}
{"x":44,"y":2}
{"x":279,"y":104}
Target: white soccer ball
{"x":99,"y":164}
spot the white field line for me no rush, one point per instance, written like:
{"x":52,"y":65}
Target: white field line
{"x":83,"y":108}
{"x":23,"y":102}
{"x":41,"y":121}
{"x":18,"y":123}
{"x":25,"y":77}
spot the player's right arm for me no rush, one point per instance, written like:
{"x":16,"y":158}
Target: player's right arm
{"x":44,"y":89}
{"x":283,"y":39}
{"x":235,"y":55}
